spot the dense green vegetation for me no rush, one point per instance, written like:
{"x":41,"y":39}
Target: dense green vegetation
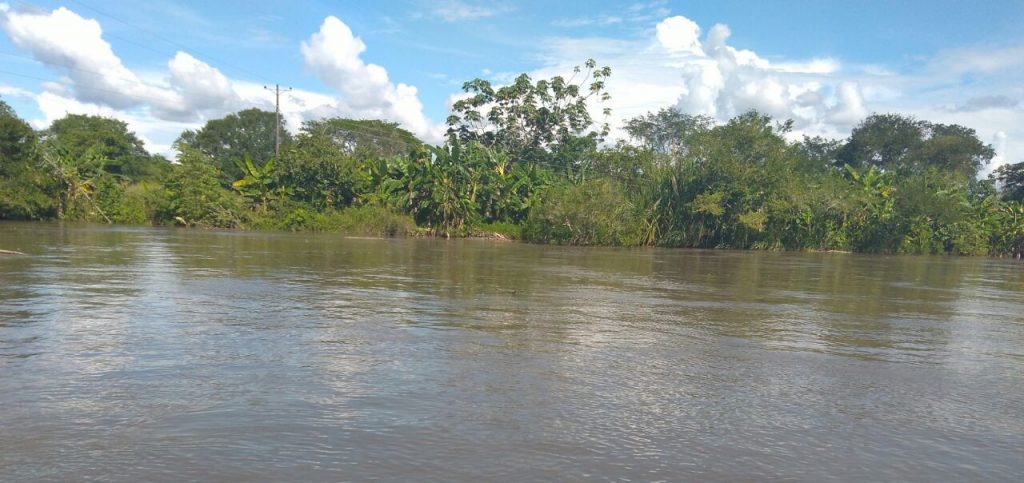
{"x":527,"y":161}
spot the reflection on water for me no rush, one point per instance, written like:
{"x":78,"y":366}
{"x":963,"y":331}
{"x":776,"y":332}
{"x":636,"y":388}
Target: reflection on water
{"x":158,"y":354}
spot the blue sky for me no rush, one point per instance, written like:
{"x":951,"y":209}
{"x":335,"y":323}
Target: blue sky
{"x":166,"y":66}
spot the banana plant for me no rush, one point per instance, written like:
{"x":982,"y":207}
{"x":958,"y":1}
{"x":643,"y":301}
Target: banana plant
{"x":258,"y":181}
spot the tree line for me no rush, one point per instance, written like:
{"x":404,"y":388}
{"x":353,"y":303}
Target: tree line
{"x":527,"y":161}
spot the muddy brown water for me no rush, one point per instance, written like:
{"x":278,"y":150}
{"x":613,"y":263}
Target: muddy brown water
{"x":149,"y":354}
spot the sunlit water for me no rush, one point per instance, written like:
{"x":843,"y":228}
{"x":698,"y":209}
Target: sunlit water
{"x":159,"y":354}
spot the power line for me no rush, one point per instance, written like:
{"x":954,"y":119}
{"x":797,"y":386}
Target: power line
{"x":94,"y":72}
{"x":136,"y":97}
{"x":169,"y":41}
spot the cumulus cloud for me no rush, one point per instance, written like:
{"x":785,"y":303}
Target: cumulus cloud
{"x":94,"y":75}
{"x":75,"y":45}
{"x":204,"y":90}
{"x":849,"y":107}
{"x":681,"y":66}
{"x":334,"y":54}
{"x":699,"y":72}
{"x":723,"y":81}
{"x":679,"y":34}
{"x":94,"y":80}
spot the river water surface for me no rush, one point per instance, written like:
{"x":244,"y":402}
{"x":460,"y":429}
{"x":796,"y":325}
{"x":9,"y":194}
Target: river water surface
{"x":133,"y":354}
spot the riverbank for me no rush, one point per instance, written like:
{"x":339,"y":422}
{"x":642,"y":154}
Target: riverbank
{"x":370,"y":223}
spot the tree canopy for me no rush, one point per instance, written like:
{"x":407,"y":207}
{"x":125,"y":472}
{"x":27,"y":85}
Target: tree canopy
{"x":229,"y":140}
{"x":364,"y":138}
{"x":1011,"y":179}
{"x":546,"y":121}
{"x":906,"y":144}
{"x":526,"y":160}
{"x":105,"y":142}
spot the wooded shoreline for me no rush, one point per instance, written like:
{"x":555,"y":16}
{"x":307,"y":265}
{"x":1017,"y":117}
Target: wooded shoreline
{"x":526,"y":161}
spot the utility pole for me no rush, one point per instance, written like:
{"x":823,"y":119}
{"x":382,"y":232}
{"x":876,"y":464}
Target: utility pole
{"x":277,"y":117}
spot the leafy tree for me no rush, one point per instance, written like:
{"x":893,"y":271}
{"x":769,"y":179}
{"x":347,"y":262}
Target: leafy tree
{"x":667,"y":131}
{"x":905,"y":144}
{"x":1011,"y":179}
{"x":103,"y":143}
{"x":547,"y":121}
{"x":317,"y":171}
{"x":818,"y":153}
{"x":231,"y":139}
{"x":197,"y":197}
{"x":363,"y":138}
{"x":25,"y":188}
{"x":17,"y":139}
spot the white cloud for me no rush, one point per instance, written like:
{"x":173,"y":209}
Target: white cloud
{"x":158,"y":106}
{"x":985,"y":59}
{"x":679,"y":34}
{"x":849,"y":108}
{"x":334,"y":54}
{"x":11,"y":91}
{"x":75,"y":46}
{"x":999,"y":144}
{"x":677,"y":66}
{"x":457,"y":10}
{"x":599,"y":20}
{"x":705,"y":75}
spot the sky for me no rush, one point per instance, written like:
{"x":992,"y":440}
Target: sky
{"x":163,"y":67}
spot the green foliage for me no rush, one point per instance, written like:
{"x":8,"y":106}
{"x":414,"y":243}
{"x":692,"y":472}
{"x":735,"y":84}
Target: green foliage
{"x":1011,"y":179}
{"x":908,"y":145}
{"x":26,"y":190}
{"x":370,"y":221}
{"x":224,"y":142}
{"x":257,"y":181}
{"x":547,"y":122}
{"x":143,"y":203}
{"x":523,"y":162}
{"x":363,"y":139}
{"x":667,"y":131}
{"x":318,"y":171}
{"x":197,"y":197}
{"x":104,"y":144}
{"x":595,"y":212}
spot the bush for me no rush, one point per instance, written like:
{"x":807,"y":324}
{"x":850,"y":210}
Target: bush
{"x":143,"y":203}
{"x":372,"y":221}
{"x":594,"y":212}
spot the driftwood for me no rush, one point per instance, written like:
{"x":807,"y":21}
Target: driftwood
{"x":10,"y":252}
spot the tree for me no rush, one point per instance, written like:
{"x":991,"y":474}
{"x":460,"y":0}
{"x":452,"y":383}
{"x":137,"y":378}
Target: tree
{"x":104,"y":144}
{"x":364,"y":138}
{"x":197,"y":197}
{"x":667,"y":131}
{"x":317,"y":171}
{"x":24,"y":186}
{"x":1011,"y":180}
{"x":229,"y":140}
{"x":17,"y":139}
{"x":547,"y":122}
{"x":909,"y":145}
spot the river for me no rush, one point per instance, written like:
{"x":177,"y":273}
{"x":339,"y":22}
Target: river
{"x":151,"y":354}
